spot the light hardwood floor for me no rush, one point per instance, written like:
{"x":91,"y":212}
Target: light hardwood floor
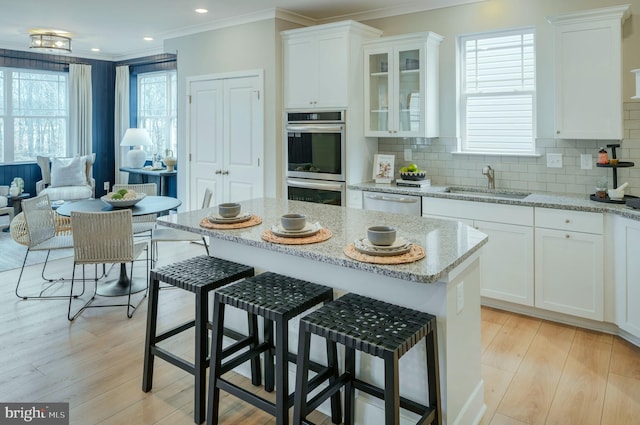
{"x":535,"y":372}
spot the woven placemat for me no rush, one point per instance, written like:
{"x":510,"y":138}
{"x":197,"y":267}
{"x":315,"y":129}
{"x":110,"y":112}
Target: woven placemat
{"x":321,"y":236}
{"x":253,"y":221}
{"x":415,"y":253}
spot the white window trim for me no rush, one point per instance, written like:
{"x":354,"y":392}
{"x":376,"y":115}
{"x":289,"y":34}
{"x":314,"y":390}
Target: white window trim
{"x":462,"y":146}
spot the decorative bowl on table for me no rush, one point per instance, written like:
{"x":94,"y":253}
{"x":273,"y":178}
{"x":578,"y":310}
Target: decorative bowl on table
{"x":125,"y":202}
{"x":413,"y":175}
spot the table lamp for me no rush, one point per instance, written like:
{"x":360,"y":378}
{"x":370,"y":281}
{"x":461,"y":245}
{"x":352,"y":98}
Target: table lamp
{"x":136,"y":137}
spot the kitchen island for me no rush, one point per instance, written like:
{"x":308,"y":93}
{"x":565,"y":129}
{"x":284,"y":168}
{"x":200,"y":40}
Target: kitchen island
{"x":445,"y":283}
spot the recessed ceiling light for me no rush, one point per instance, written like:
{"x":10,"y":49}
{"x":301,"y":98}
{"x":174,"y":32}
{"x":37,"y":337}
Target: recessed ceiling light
{"x":202,"y":10}
{"x":147,"y":38}
{"x":95,"y":49}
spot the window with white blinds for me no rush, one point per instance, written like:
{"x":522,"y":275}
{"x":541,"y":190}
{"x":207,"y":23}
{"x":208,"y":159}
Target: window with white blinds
{"x":498,"y":92}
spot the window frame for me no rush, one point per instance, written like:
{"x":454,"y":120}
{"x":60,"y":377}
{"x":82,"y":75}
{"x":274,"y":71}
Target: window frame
{"x":8,"y":118}
{"x":170,"y":133}
{"x":501,"y":148}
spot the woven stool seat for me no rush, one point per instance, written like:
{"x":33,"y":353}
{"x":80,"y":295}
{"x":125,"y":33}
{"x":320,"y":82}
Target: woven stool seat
{"x":370,"y":325}
{"x":199,"y":275}
{"x":195,"y":273}
{"x":377,"y":328}
{"x":271,"y":295}
{"x":277,"y":299}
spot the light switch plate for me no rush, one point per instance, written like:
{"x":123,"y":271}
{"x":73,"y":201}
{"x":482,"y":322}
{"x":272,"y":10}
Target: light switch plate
{"x":586,"y":161}
{"x":554,"y":160}
{"x":407,"y":155}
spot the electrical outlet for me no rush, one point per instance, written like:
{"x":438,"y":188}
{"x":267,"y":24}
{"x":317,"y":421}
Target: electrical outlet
{"x":407,"y":155}
{"x":554,"y":160}
{"x":586,"y":161}
{"x":459,"y":297}
{"x":106,"y":186}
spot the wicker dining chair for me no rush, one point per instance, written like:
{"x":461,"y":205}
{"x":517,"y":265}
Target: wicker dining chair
{"x":165,"y":234}
{"x":105,"y":238}
{"x":143,"y":225}
{"x":38,"y":232}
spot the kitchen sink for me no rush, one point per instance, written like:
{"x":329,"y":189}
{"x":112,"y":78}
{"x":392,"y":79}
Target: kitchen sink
{"x":488,"y":193}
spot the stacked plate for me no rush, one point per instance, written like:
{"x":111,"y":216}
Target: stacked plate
{"x":309,"y":229}
{"x":399,"y":247}
{"x":218,"y":219}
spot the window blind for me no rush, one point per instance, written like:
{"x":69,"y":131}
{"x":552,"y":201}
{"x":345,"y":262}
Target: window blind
{"x":498,"y":92}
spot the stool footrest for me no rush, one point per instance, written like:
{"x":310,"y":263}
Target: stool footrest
{"x":174,"y":331}
{"x":244,"y":357}
{"x":405,"y":403}
{"x":173,"y":359}
{"x":251,"y":398}
{"x":326,"y":393}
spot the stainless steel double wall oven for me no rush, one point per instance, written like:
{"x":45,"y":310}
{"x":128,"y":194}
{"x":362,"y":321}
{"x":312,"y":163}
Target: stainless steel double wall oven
{"x":316,"y":157}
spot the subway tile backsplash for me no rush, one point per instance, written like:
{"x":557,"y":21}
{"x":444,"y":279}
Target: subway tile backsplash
{"x":445,"y":168}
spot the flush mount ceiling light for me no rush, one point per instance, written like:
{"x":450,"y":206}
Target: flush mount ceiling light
{"x":50,"y":42}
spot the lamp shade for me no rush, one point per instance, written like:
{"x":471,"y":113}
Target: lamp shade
{"x":136,"y":137}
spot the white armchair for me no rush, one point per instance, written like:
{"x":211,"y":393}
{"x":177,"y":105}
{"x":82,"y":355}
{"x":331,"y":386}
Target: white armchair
{"x":67,"y":179}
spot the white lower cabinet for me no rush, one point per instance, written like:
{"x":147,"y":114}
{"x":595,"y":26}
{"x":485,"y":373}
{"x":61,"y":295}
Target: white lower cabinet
{"x":626,"y":270}
{"x":507,"y":259}
{"x":569,"y":262}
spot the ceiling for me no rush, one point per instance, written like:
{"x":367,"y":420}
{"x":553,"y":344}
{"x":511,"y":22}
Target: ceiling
{"x":117,"y":27}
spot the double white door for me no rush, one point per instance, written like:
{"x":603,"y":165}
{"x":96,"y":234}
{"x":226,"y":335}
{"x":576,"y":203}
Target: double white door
{"x":226,"y":134}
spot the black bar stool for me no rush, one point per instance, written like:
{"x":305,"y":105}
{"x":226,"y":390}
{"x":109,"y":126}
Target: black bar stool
{"x":199,"y":275}
{"x":277,"y":299}
{"x":374,"y":327}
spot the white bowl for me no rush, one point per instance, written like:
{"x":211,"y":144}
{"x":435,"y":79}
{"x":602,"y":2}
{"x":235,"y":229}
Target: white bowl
{"x":616,"y":195}
{"x":123,"y":203}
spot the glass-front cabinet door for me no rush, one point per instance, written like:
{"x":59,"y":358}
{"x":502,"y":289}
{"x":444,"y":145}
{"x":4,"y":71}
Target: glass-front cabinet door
{"x":401,"y":93}
{"x":378,"y":93}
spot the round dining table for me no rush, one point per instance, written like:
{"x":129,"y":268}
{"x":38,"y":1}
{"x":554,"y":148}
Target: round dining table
{"x":148,"y":205}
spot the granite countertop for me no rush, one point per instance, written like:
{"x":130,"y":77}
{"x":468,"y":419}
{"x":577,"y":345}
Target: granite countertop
{"x":546,"y":200}
{"x":447,"y":243}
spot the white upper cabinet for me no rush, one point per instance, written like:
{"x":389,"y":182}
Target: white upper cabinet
{"x":588,"y":73}
{"x":318,"y":62}
{"x":401,"y":86}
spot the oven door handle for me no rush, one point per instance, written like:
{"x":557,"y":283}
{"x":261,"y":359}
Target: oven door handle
{"x":390,"y":199}
{"x":336,"y":187}
{"x":316,"y":128}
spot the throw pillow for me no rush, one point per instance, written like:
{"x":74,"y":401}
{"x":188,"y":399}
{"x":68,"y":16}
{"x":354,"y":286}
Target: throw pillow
{"x":43,"y":162}
{"x":68,"y":172}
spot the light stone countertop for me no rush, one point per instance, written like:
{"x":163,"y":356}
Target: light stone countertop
{"x":546,"y":200}
{"x":447,"y":243}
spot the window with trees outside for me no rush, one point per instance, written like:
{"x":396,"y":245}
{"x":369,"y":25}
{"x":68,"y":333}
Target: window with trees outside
{"x":34,"y":114}
{"x":498,"y":92}
{"x":157,"y":110}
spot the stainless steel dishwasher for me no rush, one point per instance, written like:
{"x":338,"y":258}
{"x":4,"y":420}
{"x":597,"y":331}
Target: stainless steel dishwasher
{"x":392,"y":202}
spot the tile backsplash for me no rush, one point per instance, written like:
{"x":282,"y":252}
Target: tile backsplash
{"x":446,"y":168}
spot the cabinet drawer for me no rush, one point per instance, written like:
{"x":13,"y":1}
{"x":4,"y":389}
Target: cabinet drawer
{"x":574,"y":221}
{"x":472,"y":210}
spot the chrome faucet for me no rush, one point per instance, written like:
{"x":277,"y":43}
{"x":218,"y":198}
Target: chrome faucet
{"x":489,"y":172}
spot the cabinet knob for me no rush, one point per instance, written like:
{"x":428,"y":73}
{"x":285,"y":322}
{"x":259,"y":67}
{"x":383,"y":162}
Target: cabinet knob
{"x":225,"y":172}
{"x":567,"y":236}
{"x":567,"y":221}
{"x":218,"y":171}
{"x":557,"y":131}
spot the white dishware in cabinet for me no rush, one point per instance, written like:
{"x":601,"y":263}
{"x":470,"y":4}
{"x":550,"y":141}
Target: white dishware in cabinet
{"x":401,"y":86}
